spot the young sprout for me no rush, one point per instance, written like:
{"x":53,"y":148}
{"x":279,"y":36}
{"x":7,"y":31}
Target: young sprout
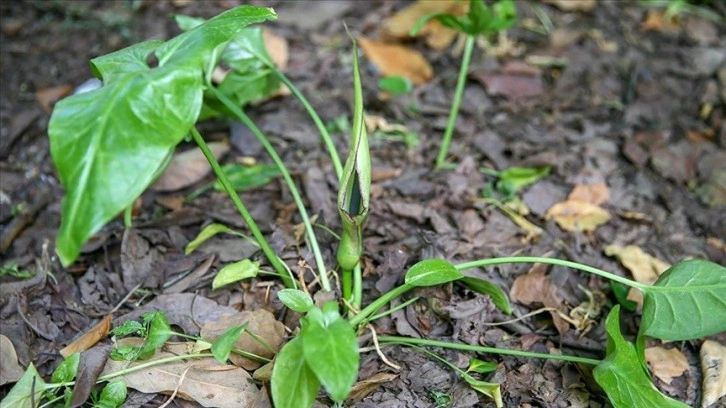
{"x":481,"y":19}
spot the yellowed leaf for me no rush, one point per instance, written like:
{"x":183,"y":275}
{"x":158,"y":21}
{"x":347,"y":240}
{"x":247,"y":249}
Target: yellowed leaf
{"x":597,"y":193}
{"x":436,"y":35}
{"x":90,"y":338}
{"x":261,"y":323}
{"x":397,"y":60}
{"x":573,"y":215}
{"x":573,"y":5}
{"x":207,"y":382}
{"x":666,"y":364}
{"x":536,"y":287}
{"x":656,"y":20}
{"x":713,"y":364}
{"x":187,"y":168}
{"x":645,"y":268}
{"x":10,"y":370}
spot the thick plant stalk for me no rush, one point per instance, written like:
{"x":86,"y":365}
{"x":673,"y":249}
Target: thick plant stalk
{"x":264,"y":245}
{"x":453,"y":114}
{"x":354,"y":196}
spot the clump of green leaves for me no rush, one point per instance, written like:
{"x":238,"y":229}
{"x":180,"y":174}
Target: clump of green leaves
{"x":481,"y":19}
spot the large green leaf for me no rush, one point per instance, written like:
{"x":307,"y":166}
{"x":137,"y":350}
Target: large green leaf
{"x":294,"y":385}
{"x":431,"y":272}
{"x":109,"y":144}
{"x":621,"y":374}
{"x":199,"y":44}
{"x":330,"y":347}
{"x":688,"y":301}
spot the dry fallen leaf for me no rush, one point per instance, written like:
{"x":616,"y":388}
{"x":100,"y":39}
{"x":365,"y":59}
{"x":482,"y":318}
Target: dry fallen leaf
{"x":90,"y":338}
{"x":536,"y":287}
{"x":573,"y":5}
{"x":656,"y":20}
{"x":666,"y":364}
{"x":10,"y":370}
{"x":49,"y":96}
{"x":277,"y":48}
{"x":645,"y":268}
{"x":207,"y":382}
{"x":397,"y":60}
{"x":437,"y":36}
{"x":362,"y":388}
{"x":597,"y":193}
{"x":573,"y":215}
{"x":713,"y":364}
{"x":260,"y":322}
{"x":187,"y":168}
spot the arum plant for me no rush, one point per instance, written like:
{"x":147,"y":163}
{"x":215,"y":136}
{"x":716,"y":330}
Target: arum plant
{"x":480,"y":19}
{"x":353,"y":197}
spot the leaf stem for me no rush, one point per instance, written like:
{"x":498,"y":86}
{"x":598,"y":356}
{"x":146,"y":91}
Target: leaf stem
{"x":379,"y":303}
{"x":551,"y":261}
{"x":444,"y":149}
{"x":237,"y":111}
{"x":357,"y":286}
{"x":318,"y":122}
{"x":264,"y":245}
{"x":482,"y":349}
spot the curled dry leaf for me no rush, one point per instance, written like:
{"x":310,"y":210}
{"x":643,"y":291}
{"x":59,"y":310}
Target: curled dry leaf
{"x":536,"y":287}
{"x":574,"y":215}
{"x":645,"y":268}
{"x":597,"y":193}
{"x":187,"y":168}
{"x":666,"y":364}
{"x":10,"y":370}
{"x":90,"y":338}
{"x":49,"y":96}
{"x":261,"y":322}
{"x":397,"y":60}
{"x":713,"y":364}
{"x":207,"y":382}
{"x":436,"y":35}
{"x":363,"y":388}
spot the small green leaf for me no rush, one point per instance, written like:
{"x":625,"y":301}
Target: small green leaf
{"x":67,"y":370}
{"x":296,"y":300}
{"x":236,"y":272}
{"x":498,"y":296}
{"x":620,"y":292}
{"x":158,"y":333}
{"x":518,"y":177}
{"x":621,"y":374}
{"x":684,"y":302}
{"x":247,"y":177}
{"x":27,"y":390}
{"x":293,"y":383}
{"x":330,"y":347}
{"x":396,"y":85}
{"x":431,"y":272}
{"x":125,"y":353}
{"x":208,"y":232}
{"x":222,"y":347}
{"x":480,"y":366}
{"x":128,"y":328}
{"x":491,"y":390}
{"x":113,"y":395}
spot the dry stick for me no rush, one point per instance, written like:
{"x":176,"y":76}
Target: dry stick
{"x":176,"y":389}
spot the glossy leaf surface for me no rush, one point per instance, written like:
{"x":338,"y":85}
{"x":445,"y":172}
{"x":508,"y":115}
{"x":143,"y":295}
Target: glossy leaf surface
{"x":431,"y":272}
{"x":293,"y":382}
